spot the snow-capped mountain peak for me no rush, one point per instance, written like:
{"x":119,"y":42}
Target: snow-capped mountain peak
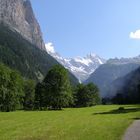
{"x":81,"y":67}
{"x":85,"y":61}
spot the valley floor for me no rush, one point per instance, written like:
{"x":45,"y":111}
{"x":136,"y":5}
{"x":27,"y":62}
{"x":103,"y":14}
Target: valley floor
{"x":94,"y":123}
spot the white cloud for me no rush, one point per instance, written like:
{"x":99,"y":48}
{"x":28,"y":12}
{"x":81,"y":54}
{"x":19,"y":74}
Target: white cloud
{"x":49,"y":47}
{"x":135,"y":35}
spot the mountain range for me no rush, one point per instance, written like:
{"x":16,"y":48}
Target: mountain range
{"x":81,"y":67}
{"x":112,"y":70}
{"x":104,"y":73}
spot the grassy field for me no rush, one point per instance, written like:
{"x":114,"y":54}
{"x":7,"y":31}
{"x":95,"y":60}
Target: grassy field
{"x":95,"y":123}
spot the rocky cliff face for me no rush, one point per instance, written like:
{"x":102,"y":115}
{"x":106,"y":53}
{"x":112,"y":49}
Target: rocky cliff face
{"x":19,"y":16}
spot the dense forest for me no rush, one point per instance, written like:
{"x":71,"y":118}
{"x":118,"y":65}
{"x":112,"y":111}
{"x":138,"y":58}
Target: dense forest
{"x":54,"y":92}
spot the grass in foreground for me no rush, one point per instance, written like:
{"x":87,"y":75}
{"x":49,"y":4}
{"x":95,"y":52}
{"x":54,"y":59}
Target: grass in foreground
{"x":95,"y":123}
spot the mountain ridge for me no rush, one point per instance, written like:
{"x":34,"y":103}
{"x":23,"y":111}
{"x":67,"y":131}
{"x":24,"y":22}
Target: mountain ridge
{"x":113,"y":69}
{"x":127,"y":89}
{"x":81,"y":67}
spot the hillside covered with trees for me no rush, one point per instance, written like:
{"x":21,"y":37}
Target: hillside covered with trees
{"x":19,"y":54}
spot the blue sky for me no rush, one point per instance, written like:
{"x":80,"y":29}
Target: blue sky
{"x":79,"y":27}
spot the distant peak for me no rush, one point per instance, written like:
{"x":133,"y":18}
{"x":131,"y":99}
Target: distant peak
{"x":92,"y":54}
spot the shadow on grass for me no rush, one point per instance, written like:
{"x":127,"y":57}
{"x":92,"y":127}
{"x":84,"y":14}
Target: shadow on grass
{"x":137,"y":118}
{"x":118,"y":111}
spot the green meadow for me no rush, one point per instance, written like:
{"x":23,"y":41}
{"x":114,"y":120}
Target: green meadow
{"x":94,"y":123}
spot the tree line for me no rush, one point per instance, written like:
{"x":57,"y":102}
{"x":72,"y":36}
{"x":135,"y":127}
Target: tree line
{"x":54,"y":92}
